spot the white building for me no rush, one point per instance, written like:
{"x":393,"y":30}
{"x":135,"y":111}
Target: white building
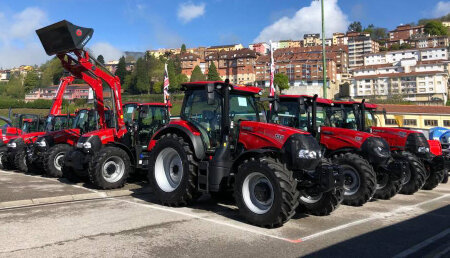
{"x":392,"y":57}
{"x":358,"y":47}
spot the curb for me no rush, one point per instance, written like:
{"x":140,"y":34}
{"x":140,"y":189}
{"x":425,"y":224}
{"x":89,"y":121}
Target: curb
{"x":72,"y":197}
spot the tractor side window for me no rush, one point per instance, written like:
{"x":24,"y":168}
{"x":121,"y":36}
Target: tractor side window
{"x":243,"y":108}
{"x":207,"y":118}
{"x":321,"y":117}
{"x":350,"y":121}
{"x":129,"y":113}
{"x":60,"y":123}
{"x":336,"y":118}
{"x":150,"y":120}
{"x":371,"y":119}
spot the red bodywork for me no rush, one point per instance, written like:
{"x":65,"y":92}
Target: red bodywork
{"x":9,"y":133}
{"x":334,"y":138}
{"x":435,"y":147}
{"x":396,"y":137}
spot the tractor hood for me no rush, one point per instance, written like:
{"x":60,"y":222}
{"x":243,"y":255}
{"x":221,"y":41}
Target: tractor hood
{"x":337,"y":138}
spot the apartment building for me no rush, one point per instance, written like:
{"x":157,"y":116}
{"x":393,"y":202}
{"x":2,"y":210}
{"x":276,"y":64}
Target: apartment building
{"x":261,"y":48}
{"x":426,"y":41}
{"x":310,"y":40}
{"x":339,"y":38}
{"x":214,"y":49}
{"x":405,"y":32}
{"x":423,"y":82}
{"x":189,"y":61}
{"x":360,"y":44}
{"x":340,"y":54}
{"x":5,"y":75}
{"x":73,"y":91}
{"x":392,"y":57}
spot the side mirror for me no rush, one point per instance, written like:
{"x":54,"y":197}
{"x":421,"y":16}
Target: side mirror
{"x":301,"y":104}
{"x":384,"y":114}
{"x":210,"y":93}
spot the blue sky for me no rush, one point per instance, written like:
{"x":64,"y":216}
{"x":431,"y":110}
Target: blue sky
{"x":137,"y":25}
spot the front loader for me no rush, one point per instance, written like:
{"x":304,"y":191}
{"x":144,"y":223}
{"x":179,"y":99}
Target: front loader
{"x":223,"y":144}
{"x":106,"y":155}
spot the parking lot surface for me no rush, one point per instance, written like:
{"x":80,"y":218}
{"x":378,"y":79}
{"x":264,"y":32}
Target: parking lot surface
{"x":112,"y":225}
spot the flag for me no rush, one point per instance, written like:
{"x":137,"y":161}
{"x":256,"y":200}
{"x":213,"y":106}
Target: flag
{"x":166,"y":86}
{"x":272,"y":73}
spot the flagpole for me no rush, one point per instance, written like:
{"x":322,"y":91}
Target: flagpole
{"x":166,"y":88}
{"x":272,"y":71}
{"x":324,"y":58}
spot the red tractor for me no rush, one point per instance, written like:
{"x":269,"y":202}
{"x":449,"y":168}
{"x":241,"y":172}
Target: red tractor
{"x":426,"y":170}
{"x":223,"y":144}
{"x":111,"y":152}
{"x":369,"y":169}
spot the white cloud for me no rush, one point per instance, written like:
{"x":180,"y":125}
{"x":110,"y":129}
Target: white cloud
{"x":442,"y":8}
{"x":306,"y":20}
{"x":18,"y":41}
{"x":108,"y":51}
{"x":189,"y":11}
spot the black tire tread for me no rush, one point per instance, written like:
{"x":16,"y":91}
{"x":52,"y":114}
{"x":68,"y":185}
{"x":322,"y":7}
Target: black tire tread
{"x":434,"y":179}
{"x":18,"y":161}
{"x":48,"y":157}
{"x":94,"y":170}
{"x":418,"y":173}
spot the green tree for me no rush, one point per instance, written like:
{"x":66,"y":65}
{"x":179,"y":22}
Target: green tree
{"x":395,"y":46}
{"x":197,"y":74}
{"x":157,"y":87}
{"x":129,"y":82}
{"x":183,"y":48}
{"x":435,"y":28}
{"x":405,"y":46}
{"x":52,"y":71}
{"x":382,"y":49}
{"x":355,"y":26}
{"x":31,"y":81}
{"x":213,"y":75}
{"x":182,"y":78}
{"x":281,"y":81}
{"x":142,"y":76}
{"x":173,"y":78}
{"x":14,"y":88}
{"x":101,"y":59}
{"x":121,"y":70}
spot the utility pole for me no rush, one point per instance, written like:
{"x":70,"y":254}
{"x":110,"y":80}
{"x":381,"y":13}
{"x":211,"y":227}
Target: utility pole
{"x":324,"y":58}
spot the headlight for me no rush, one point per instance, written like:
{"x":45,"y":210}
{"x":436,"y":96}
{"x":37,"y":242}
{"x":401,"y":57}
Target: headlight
{"x":382,"y":151}
{"x":423,"y":149}
{"x":11,"y":145}
{"x":41,"y":143}
{"x":309,"y":154}
{"x":84,"y":145}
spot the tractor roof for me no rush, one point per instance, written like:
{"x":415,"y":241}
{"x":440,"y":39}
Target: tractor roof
{"x":367,"y":105}
{"x":156,"y":104}
{"x":246,"y":89}
{"x":319,"y":100}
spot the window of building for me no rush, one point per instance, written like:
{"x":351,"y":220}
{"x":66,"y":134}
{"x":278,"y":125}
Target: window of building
{"x":431,"y":122}
{"x":410,"y":122}
{"x":446,"y":122}
{"x":390,"y":122}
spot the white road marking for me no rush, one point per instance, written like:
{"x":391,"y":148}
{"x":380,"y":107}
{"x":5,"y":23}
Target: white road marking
{"x":423,"y":244}
{"x":374,"y":217}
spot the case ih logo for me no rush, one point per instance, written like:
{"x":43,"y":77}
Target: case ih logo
{"x":79,"y":32}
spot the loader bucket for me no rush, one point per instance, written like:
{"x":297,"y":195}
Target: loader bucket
{"x":63,"y":37}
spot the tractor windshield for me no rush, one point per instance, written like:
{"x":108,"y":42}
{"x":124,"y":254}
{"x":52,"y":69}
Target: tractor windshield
{"x":289,"y":114}
{"x":56,"y":123}
{"x":371,"y":118}
{"x":85,"y":120}
{"x":343,"y":117}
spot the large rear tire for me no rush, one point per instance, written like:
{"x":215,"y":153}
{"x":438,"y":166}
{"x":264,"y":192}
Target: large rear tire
{"x":109,"y":169}
{"x":415,"y":178}
{"x":434,"y":179}
{"x":173,"y":171}
{"x":360,"y":178}
{"x":54,"y":158}
{"x":386,"y":187}
{"x":6,"y":163}
{"x":266,"y":192}
{"x":20,"y":161}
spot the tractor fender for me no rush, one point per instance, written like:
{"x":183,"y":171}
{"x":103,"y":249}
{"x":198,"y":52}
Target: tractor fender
{"x":252,"y":153}
{"x":330,"y":154}
{"x":126,"y":149}
{"x":195,"y":140}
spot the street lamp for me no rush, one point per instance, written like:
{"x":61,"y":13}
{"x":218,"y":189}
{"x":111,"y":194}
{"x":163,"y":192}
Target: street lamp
{"x":324,"y":58}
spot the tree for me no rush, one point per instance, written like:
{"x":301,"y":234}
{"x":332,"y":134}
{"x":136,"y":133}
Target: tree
{"x":142,"y":78}
{"x":14,"y":88}
{"x":52,"y":71}
{"x":382,"y":49}
{"x":405,"y":46}
{"x":355,"y":27}
{"x":197,"y":74}
{"x":121,"y":70}
{"x":31,"y":81}
{"x":157,"y":87}
{"x":435,"y":28}
{"x":182,"y":78}
{"x":394,"y":46}
{"x":183,"y":48}
{"x":281,"y":81}
{"x":173,"y":78}
{"x":101,"y":59}
{"x":213,"y":75}
{"x":379,"y":33}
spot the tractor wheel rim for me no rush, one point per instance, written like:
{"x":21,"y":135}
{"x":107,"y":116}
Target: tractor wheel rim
{"x":382,"y":181}
{"x":168,"y":169}
{"x":257,"y":193}
{"x":113,"y":169}
{"x":352,"y":181}
{"x":310,"y":199}
{"x":406,"y":177}
{"x":58,"y":160}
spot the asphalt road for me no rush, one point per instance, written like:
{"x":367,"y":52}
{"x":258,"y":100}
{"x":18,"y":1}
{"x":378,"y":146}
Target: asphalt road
{"x":417,"y":225}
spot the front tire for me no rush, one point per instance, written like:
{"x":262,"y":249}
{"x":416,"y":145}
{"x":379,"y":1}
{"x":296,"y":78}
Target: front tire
{"x":386,"y":187}
{"x":109,"y":169}
{"x":6,"y":163}
{"x":360,"y":178}
{"x":173,"y":171}
{"x":20,"y":161}
{"x":434,"y":179}
{"x":266,"y":192}
{"x":415,"y":178}
{"x":53,"y":160}
{"x":445,"y":179}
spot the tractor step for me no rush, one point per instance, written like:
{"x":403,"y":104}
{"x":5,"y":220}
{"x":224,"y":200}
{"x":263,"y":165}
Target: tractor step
{"x":203,"y":175}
